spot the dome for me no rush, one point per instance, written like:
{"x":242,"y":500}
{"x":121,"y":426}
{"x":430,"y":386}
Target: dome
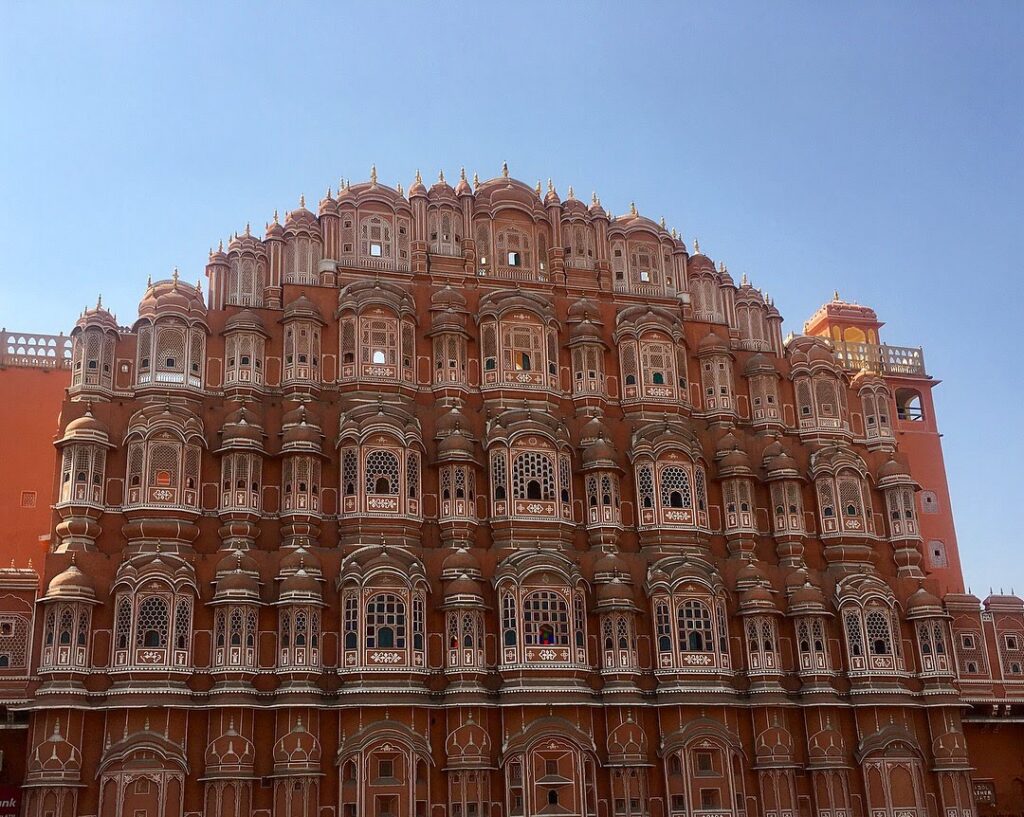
{"x":893,"y":471}
{"x":299,"y":559}
{"x":297,"y":750}
{"x":71,"y":583}
{"x":759,"y":364}
{"x":592,"y":430}
{"x":456,"y":446}
{"x":238,"y":560}
{"x":463,"y":586}
{"x":97,"y":318}
{"x":230,"y":752}
{"x":300,"y":586}
{"x":417,"y":188}
{"x":462,"y":188}
{"x":712,"y":343}
{"x":609,"y":566}
{"x":614,"y":592}
{"x":599,"y":454}
{"x":173,"y":297}
{"x":245,"y":320}
{"x":440,"y":191}
{"x":301,"y":219}
{"x":242,"y":429}
{"x":806,"y":598}
{"x":246,"y":243}
{"x":327,"y":204}
{"x":460,"y":562}
{"x":922,"y":604}
{"x":237,"y":585}
{"x":87,"y":429}
{"x":302,"y":307}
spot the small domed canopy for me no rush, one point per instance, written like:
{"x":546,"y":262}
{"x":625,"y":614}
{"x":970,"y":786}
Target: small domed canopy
{"x":805,"y":599}
{"x":460,"y":561}
{"x":71,"y":584}
{"x":514,"y":423}
{"x":760,"y":364}
{"x":301,"y":220}
{"x":778,"y":463}
{"x":238,"y":560}
{"x":833,"y":458}
{"x":173,"y":298}
{"x":246,"y":244}
{"x":365,"y":293}
{"x":609,"y":566}
{"x":826,"y":748}
{"x":242,"y":431}
{"x":448,"y":311}
{"x":297,"y":751}
{"x":246,"y":321}
{"x":670,"y":433}
{"x":634,"y":321}
{"x":230,"y":755}
{"x":359,"y":422}
{"x":949,"y":749}
{"x":96,"y":317}
{"x":810,"y":353}
{"x":169,"y":569}
{"x":463,"y":591}
{"x":55,"y":761}
{"x":300,"y":588}
{"x":301,"y":431}
{"x":893,"y":472}
{"x":300,"y":558}
{"x":615,"y":594}
{"x":302,"y":309}
{"x":86,"y":429}
{"x":923,"y":604}
{"x":599,"y":454}
{"x":773,"y":747}
{"x":441,"y":192}
{"x":712,"y":344}
{"x":506,"y":193}
{"x":236,"y":585}
{"x":672,"y":571}
{"x":500,"y":302}
{"x":374,"y":565}
{"x":174,"y":418}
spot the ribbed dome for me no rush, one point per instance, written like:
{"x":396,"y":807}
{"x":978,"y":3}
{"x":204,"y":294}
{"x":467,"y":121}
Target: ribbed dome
{"x":86,"y":427}
{"x":71,"y":583}
{"x":300,"y":585}
{"x":237,"y":585}
{"x":463,"y":586}
{"x":458,"y":562}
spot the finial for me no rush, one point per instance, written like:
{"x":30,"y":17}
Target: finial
{"x":570,"y":193}
{"x":504,"y":170}
{"x":835,"y":294}
{"x":440,"y":176}
{"x":476,"y":180}
{"x":696,"y":246}
{"x":419,"y":178}
{"x":675,"y":233}
{"x":99,"y":301}
{"x":662,"y":222}
{"x":632,"y":208}
{"x":149,"y":280}
{"x":247,"y":228}
{"x":551,"y":187}
{"x":302,"y":200}
{"x":174,"y":276}
{"x":220,"y":244}
{"x":373,"y":175}
{"x":328,"y":191}
{"x":145,"y":726}
{"x":462,"y":173}
{"x":743,"y":280}
{"x":400,"y":189}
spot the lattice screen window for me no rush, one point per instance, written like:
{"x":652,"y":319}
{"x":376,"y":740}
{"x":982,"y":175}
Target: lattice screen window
{"x":509,"y":620}
{"x":674,"y":481}
{"x":164,"y":465}
{"x":123,"y":623}
{"x":14,"y":635}
{"x":170,"y":349}
{"x":382,"y":473}
{"x":854,"y":633}
{"x":627,"y":362}
{"x":533,"y":476}
{"x":879,"y":632}
{"x":645,"y":486}
{"x":545,"y":619}
{"x":375,"y":238}
{"x":693,"y":626}
{"x":970,"y":652}
{"x":379,"y":340}
{"x":499,"y":475}
{"x":385,"y":622}
{"x":152,"y":626}
{"x":656,"y":362}
{"x":701,"y":487}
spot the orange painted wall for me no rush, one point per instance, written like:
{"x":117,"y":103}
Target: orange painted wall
{"x":30,"y":402}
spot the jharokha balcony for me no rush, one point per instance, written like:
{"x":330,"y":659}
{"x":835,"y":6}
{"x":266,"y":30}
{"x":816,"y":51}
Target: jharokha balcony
{"x":906,"y":361}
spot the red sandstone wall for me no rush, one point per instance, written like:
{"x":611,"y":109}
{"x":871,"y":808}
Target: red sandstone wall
{"x":30,"y":401}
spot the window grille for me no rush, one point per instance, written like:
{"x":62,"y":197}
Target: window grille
{"x":694,"y":627}
{"x":385,"y":622}
{"x":545,"y":619}
{"x":533,"y":476}
{"x":152,"y":626}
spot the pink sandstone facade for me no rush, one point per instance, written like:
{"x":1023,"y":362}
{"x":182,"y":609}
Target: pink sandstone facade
{"x":477,"y":502}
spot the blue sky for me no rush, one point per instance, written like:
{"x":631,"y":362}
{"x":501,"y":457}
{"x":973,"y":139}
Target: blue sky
{"x":874,"y":148}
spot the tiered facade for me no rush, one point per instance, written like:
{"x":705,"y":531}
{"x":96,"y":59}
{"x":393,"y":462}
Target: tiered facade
{"x":476,"y":502}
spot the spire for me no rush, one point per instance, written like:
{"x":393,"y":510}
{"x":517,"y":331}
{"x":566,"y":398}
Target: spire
{"x":174,"y":276}
{"x":247,"y":232}
{"x":632,"y":208}
{"x":696,"y":245}
{"x":440,"y":176}
{"x":149,"y":279}
{"x":419,"y":178}
{"x":743,"y":280}
{"x":662,"y":222}
{"x":99,"y":301}
{"x":551,"y":187}
{"x":476,"y":180}
{"x":462,"y":174}
{"x":594,"y":199}
{"x":675,"y":234}
{"x":302,"y":200}
{"x":537,"y":189}
{"x":400,"y":189}
{"x":835,"y":295}
{"x":373,"y":175}
{"x":328,"y":191}
{"x":571,"y":194}
{"x":275,"y":216}
{"x":220,"y":244}
{"x":504,"y":170}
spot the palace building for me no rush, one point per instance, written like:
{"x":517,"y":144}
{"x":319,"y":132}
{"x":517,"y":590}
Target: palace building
{"x":481,"y":502}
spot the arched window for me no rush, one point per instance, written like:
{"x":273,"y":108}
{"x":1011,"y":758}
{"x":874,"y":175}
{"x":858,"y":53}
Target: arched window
{"x":385,"y":625}
{"x":152,"y":625}
{"x":545,"y":619}
{"x":382,"y":475}
{"x":693,"y":620}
